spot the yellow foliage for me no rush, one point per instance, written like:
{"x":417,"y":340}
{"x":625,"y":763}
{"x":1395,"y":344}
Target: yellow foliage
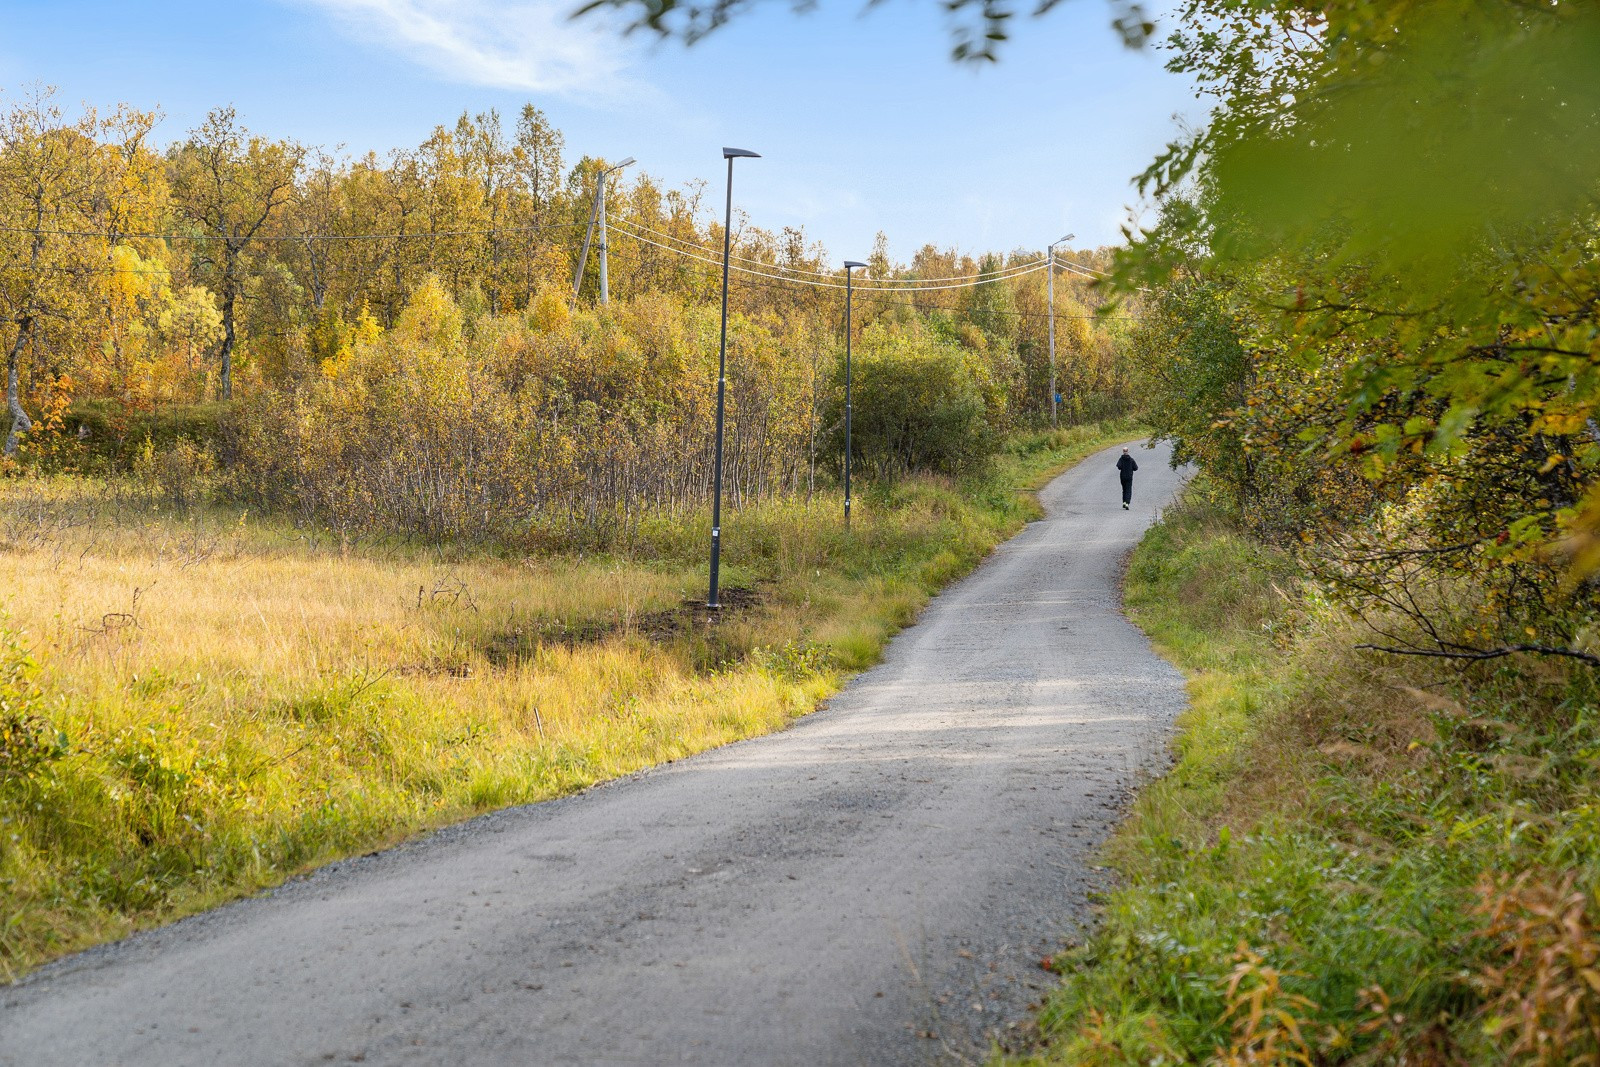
{"x":1545,"y":997}
{"x":549,"y":311}
{"x":1268,"y":1021}
{"x":431,"y":317}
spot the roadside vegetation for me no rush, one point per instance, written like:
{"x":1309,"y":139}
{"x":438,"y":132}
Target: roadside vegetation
{"x":1378,"y":843}
{"x":1355,"y":859}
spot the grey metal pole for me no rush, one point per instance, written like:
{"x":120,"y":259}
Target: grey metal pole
{"x":722,"y":392}
{"x":850,"y":266}
{"x":1050,"y":286}
{"x":597,"y":214}
{"x":849,"y":399}
{"x":1050,"y":298}
{"x":600,"y":196}
{"x":722,"y":381}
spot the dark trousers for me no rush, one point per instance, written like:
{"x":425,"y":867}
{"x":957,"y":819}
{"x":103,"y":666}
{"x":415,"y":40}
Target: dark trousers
{"x":1127,"y":489}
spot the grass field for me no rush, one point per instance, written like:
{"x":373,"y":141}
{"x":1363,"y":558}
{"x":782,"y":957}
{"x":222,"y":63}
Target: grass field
{"x":1355,"y":859}
{"x":200,"y":702}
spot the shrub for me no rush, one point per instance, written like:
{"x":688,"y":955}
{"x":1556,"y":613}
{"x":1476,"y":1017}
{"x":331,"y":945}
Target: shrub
{"x":918,"y":406}
{"x":28,"y":740}
{"x":569,"y":429}
{"x":179,"y":474}
{"x":112,"y":436}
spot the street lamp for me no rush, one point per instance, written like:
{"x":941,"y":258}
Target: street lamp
{"x":598,"y":212}
{"x":1050,"y":286}
{"x":730,"y":154}
{"x":849,"y":266}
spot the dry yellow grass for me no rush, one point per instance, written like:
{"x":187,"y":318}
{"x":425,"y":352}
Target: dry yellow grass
{"x":240,"y":704}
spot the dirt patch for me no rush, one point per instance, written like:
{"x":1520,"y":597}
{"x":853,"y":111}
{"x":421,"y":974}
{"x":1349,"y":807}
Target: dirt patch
{"x":523,"y":640}
{"x":436,"y":667}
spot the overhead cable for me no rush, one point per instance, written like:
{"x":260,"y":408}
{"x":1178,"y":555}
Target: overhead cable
{"x":1097,"y":275}
{"x":968,"y":283}
{"x":995,"y":275}
{"x":895,"y":298}
{"x":295,"y":237}
{"x":1080,"y":266}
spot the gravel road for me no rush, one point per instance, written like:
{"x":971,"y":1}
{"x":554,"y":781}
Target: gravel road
{"x":874,"y":885}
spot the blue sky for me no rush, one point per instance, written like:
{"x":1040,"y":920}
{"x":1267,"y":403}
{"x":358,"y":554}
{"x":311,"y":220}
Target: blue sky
{"x":863,"y":121}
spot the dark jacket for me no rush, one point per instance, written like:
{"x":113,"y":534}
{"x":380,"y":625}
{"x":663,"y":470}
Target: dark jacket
{"x":1126,"y":466}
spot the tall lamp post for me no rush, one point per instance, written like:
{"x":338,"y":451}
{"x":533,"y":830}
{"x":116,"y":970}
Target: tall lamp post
{"x":850,"y":265}
{"x":1050,"y":286}
{"x":730,"y":154}
{"x":598,"y":213}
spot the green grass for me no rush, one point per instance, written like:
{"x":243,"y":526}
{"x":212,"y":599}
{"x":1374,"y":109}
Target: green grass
{"x":199,"y":702}
{"x":1332,"y":838}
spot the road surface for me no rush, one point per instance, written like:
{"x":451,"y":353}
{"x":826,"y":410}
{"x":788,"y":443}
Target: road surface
{"x":874,"y":885}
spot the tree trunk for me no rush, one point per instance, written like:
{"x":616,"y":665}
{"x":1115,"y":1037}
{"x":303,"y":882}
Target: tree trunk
{"x":20,"y":423}
{"x":225,"y":357}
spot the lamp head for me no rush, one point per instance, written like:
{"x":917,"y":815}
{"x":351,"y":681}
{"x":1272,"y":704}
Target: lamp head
{"x":625,"y":163}
{"x":739,"y":153}
{"x":1063,"y":240}
{"x":850,"y":263}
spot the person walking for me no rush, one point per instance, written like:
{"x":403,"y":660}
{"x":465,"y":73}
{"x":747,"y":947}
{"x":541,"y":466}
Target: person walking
{"x":1126,"y":465}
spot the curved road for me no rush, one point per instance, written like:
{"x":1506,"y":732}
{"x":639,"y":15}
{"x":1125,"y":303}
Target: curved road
{"x":875,"y":884}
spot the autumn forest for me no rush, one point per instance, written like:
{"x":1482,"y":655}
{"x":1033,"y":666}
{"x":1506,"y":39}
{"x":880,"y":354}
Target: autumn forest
{"x":395,"y":342}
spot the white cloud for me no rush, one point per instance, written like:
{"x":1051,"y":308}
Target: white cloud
{"x":525,"y":45}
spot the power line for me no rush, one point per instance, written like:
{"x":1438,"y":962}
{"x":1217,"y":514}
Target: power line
{"x":991,"y":275}
{"x":294,"y":237}
{"x":1080,"y":268}
{"x":889,"y":298}
{"x":881,"y":296}
{"x":926,"y":308}
{"x":711,"y":251}
{"x":710,"y":256}
{"x":968,"y":283}
{"x":47,"y":268}
{"x":965,"y":282}
{"x":1074,"y":268}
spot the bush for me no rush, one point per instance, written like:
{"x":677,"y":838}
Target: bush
{"x":28,"y":740}
{"x":179,"y":474}
{"x":566,"y":429}
{"x":112,"y":436}
{"x":918,"y":406}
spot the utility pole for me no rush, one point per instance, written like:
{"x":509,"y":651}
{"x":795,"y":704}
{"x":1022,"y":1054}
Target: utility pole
{"x":605,"y":280}
{"x":1050,"y":298}
{"x":597,"y":214}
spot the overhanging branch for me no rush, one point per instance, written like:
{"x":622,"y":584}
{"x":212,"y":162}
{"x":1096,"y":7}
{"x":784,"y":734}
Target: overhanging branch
{"x":1488,"y":653}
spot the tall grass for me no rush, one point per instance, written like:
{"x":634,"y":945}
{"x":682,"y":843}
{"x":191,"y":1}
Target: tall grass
{"x":197,"y":703}
{"x":1354,"y":859}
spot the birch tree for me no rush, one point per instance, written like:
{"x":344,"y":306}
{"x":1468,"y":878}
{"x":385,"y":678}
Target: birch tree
{"x":45,"y":179}
{"x":230,"y":184}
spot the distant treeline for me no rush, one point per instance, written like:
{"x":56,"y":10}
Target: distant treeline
{"x":399,"y":333}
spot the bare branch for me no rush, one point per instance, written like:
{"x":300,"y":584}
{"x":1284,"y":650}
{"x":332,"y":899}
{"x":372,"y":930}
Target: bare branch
{"x":1488,"y":653}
